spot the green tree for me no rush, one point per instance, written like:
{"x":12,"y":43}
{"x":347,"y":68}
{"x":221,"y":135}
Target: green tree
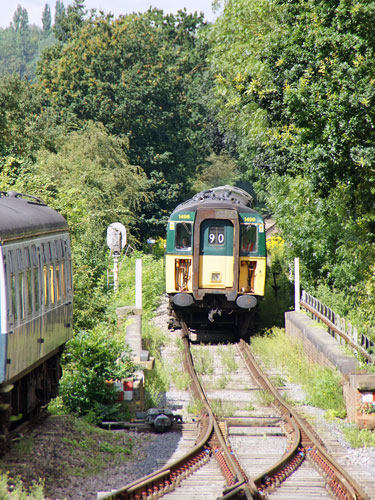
{"x":23,"y":38}
{"x":47,"y":20}
{"x":217,"y":170}
{"x":294,"y":85}
{"x":69,"y":21}
{"x":88,"y":179}
{"x":140,"y":76}
{"x":59,"y":20}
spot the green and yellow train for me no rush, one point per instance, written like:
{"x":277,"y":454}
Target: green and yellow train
{"x":216,"y":261}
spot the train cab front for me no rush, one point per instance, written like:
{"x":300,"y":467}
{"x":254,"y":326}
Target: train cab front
{"x":213,"y":268}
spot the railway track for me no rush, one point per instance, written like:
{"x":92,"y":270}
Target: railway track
{"x":263,"y":451}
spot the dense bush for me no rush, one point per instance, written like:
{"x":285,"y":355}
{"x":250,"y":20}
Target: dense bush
{"x":93,"y":358}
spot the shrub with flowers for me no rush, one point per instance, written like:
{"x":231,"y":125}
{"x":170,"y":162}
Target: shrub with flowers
{"x":275,"y":251}
{"x":366,"y":408}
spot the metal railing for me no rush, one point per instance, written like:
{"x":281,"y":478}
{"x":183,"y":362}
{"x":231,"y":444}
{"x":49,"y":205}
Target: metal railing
{"x":339,"y":328}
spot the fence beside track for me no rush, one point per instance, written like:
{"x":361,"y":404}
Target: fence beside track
{"x":339,"y":328}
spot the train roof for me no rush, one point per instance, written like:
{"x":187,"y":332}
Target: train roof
{"x":24,"y":215}
{"x":229,"y":196}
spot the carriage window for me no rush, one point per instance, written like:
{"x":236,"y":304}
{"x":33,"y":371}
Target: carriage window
{"x":34,"y":256}
{"x":19,"y":258}
{"x":52,"y":284}
{"x":58,"y":283}
{"x":36,"y":289}
{"x":183,"y":236}
{"x":67,"y":249}
{"x":57,"y":249}
{"x":21,"y":291}
{"x":10,"y":261}
{"x":13,"y":296}
{"x":29,"y":295}
{"x":49,"y":253}
{"x":27,"y":258}
{"x":216,"y":235}
{"x":46,"y":285}
{"x":44,"y":253}
{"x":63,"y":290}
{"x":248,"y":238}
{"x":68,"y":278}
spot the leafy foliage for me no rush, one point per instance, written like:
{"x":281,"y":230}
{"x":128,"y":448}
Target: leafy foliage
{"x":21,"y":44}
{"x":294,"y":85}
{"x":89,"y":180}
{"x":140,"y":76}
{"x":14,"y":489}
{"x":91,"y":360}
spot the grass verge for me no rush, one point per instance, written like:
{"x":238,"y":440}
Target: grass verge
{"x":320,"y":384}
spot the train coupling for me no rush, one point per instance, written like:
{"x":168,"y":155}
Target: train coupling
{"x":161,"y":419}
{"x":155,"y":419}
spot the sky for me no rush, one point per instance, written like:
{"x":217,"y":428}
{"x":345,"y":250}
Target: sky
{"x":35,"y":7}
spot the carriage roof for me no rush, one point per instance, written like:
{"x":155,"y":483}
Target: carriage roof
{"x":23,"y":215}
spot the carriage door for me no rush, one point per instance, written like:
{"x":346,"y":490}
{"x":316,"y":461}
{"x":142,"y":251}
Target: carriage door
{"x":216,"y":254}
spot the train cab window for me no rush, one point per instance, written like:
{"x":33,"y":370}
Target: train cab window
{"x":183,"y":236}
{"x":216,"y":235}
{"x":248,"y":238}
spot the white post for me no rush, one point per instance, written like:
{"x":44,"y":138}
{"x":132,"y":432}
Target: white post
{"x":296,"y":284}
{"x":115,"y":271}
{"x":138,"y":284}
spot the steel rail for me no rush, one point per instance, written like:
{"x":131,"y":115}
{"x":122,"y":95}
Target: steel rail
{"x":165,"y":479}
{"x":340,"y":483}
{"x":242,"y":487}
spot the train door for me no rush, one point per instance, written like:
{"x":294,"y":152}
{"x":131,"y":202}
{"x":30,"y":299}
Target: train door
{"x":216,"y":256}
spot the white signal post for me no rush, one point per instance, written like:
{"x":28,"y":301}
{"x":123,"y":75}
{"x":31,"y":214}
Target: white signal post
{"x":138,"y":284}
{"x":296,"y":285}
{"x":116,"y":241}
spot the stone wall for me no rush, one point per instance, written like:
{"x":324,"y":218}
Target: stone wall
{"x":320,"y":347}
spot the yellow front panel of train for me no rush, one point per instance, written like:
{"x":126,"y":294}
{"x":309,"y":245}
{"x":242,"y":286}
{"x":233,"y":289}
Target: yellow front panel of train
{"x":252,"y":276}
{"x":178,"y":273}
{"x":216,"y":271}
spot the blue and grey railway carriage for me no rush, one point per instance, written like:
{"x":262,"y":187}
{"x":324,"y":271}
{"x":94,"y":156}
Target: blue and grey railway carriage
{"x":216,"y":260}
{"x":35,"y":304}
